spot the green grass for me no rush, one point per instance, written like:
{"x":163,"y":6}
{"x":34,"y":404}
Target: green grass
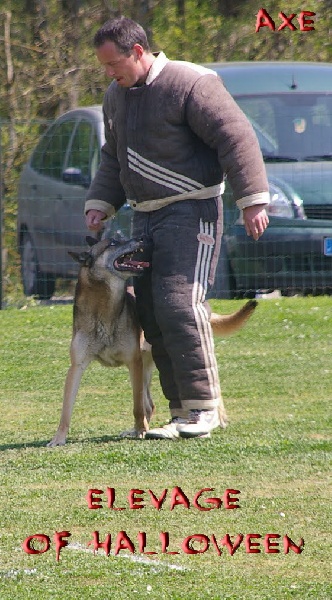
{"x":276,"y":376}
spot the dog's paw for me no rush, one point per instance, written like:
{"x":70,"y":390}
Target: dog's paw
{"x":56,"y":441}
{"x":133,"y":434}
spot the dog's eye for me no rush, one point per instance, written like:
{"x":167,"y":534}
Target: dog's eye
{"x":114,"y":242}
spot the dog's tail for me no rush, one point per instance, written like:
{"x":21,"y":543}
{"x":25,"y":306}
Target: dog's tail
{"x":226,"y":324}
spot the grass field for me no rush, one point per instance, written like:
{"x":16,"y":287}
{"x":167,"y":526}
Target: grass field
{"x":276,"y":377}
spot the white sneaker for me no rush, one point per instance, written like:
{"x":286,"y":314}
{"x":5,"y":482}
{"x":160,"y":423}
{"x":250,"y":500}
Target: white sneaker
{"x":199,"y":423}
{"x":167,"y":432}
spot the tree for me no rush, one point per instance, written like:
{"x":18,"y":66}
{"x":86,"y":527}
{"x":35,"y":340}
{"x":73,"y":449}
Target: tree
{"x":10,"y":91}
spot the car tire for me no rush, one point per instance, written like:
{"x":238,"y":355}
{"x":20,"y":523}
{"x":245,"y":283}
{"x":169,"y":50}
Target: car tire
{"x":245,"y":295}
{"x":34,"y":282}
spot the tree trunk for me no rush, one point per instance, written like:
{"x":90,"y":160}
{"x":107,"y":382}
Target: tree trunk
{"x":10,"y":93}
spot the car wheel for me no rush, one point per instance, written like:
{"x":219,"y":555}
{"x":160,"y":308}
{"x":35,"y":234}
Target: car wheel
{"x":245,"y":295}
{"x":34,"y":282}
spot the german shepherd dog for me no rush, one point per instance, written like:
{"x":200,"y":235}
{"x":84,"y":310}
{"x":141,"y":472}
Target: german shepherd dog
{"x":106,"y":327}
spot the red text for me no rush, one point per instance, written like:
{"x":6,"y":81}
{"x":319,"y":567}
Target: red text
{"x":263,"y":19}
{"x":198,"y":543}
{"x":176,"y":497}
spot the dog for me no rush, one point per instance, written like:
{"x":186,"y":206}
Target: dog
{"x":106,"y":327}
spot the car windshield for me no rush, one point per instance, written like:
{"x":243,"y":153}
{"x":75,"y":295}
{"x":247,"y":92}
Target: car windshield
{"x":291,"y":126}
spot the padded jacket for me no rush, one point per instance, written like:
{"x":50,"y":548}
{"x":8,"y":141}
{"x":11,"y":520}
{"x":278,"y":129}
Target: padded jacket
{"x":177,"y":136}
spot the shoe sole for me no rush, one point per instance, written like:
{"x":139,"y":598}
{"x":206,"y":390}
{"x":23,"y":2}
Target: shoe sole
{"x":160,"y":436}
{"x":185,"y":434}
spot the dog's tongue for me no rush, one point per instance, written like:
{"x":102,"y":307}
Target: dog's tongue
{"x":139,"y":263}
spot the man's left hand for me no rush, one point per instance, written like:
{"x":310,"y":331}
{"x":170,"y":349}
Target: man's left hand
{"x":255,"y":220}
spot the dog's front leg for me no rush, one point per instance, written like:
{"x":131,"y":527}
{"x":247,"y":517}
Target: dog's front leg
{"x":72,"y":383}
{"x":148,"y":366}
{"x":136,"y":378}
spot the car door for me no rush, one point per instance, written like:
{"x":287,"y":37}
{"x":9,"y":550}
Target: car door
{"x":69,"y":229}
{"x":49,"y":188}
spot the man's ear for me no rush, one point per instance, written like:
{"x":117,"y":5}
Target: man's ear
{"x":138,"y":51}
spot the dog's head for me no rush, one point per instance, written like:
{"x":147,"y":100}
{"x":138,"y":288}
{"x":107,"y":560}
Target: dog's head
{"x":122,"y":258}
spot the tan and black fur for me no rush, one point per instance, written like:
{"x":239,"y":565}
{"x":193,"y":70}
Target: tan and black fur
{"x":106,"y":327}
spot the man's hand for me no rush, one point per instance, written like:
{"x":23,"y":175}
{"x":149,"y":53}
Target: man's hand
{"x":94,"y":218}
{"x":255,"y":220}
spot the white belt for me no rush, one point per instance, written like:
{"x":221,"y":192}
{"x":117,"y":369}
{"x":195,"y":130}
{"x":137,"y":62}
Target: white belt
{"x":202,"y":194}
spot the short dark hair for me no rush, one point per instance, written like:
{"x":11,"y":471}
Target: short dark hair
{"x":124,"y":33}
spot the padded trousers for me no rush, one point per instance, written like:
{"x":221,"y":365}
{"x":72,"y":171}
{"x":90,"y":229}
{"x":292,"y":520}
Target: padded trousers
{"x":184,"y":245}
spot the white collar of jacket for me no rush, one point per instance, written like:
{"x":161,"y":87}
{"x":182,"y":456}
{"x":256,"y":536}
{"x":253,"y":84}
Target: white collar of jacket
{"x":157,"y":66}
{"x":161,"y":61}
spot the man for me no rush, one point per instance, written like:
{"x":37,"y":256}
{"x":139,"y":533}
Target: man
{"x":172,"y":135}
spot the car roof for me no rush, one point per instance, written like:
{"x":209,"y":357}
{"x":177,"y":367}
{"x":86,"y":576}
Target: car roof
{"x":261,"y":77}
{"x":94,"y":111}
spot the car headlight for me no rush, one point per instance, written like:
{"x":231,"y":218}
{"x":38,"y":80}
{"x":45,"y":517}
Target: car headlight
{"x":280,"y":205}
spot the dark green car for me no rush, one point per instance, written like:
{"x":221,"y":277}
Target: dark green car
{"x":290,"y":107}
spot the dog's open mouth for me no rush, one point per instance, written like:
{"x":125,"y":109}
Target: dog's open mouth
{"x":130,"y":262}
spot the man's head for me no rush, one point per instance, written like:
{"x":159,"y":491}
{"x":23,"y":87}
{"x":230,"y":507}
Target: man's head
{"x":123,"y":49}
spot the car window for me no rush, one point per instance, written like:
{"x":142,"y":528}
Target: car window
{"x":48,"y":158}
{"x":260,"y":112}
{"x":267,"y":144}
{"x":84,"y":151}
{"x":95,"y":158}
{"x":299,"y":125}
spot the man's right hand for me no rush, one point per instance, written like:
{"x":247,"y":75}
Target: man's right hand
{"x":94,"y":218}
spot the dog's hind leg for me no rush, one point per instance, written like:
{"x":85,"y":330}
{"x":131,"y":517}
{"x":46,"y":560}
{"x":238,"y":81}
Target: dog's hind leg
{"x":148,"y":366}
{"x":73,"y":380}
{"x":223,"y":420}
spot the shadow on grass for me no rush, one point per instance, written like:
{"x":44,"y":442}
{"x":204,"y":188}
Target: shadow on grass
{"x":105,"y":439}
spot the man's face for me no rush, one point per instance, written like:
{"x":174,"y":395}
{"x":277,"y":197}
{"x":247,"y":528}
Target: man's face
{"x":126,"y":70}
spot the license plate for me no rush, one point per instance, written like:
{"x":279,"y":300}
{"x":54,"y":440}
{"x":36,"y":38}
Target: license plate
{"x":328,"y":246}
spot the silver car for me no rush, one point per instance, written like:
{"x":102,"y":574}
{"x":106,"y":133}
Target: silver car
{"x":51,"y":198}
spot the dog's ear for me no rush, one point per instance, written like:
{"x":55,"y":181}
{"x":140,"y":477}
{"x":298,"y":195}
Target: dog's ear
{"x":91,"y":241}
{"x":83,"y":258}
